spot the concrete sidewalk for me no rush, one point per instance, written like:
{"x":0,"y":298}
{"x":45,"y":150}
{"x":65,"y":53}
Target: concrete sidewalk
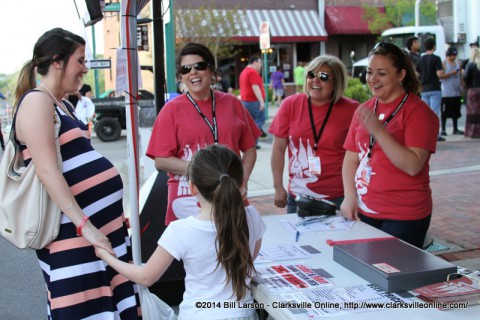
{"x":455,"y":183}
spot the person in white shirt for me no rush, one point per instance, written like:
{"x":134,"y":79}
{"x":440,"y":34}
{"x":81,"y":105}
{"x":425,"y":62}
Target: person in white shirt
{"x":85,"y":109}
{"x":217,"y":246}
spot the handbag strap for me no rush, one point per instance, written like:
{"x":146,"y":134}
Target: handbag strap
{"x":13,"y":136}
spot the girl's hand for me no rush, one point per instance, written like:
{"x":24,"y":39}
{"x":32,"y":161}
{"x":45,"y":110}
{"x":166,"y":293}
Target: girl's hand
{"x":96,"y":238}
{"x":102,"y":253}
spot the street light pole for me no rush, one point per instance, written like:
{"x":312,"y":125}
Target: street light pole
{"x":265,"y":79}
{"x":170,"y":50}
{"x":158,"y":56}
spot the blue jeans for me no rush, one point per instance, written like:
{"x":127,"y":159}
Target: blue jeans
{"x":411,"y":231}
{"x":434,"y":100}
{"x":257,"y":115}
{"x":292,"y":204}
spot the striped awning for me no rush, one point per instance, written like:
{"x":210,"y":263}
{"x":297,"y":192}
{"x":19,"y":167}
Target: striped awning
{"x":285,"y":25}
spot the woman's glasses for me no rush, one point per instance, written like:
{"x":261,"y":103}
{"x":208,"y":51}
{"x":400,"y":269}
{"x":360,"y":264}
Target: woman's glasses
{"x":199,"y":66}
{"x":390,"y":47}
{"x":322,"y":76}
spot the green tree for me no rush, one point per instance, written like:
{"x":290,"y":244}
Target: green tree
{"x":212,"y":27}
{"x":8,"y":84}
{"x":398,"y":13}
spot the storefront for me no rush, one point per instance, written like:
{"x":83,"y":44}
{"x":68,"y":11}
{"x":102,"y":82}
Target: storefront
{"x":295,"y":35}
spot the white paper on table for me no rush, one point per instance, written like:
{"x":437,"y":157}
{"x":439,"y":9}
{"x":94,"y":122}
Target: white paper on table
{"x":317,"y":303}
{"x":328,"y":224}
{"x":290,"y":277}
{"x":282,"y":252}
{"x":350,"y":298}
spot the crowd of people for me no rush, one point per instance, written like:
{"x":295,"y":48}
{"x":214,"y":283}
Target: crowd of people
{"x":444,"y":82}
{"x":368,"y":161}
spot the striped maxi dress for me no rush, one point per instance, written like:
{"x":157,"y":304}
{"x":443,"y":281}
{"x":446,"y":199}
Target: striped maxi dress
{"x":79,"y":285}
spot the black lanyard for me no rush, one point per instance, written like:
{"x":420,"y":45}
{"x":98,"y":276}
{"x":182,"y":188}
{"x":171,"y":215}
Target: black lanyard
{"x":213,"y":128}
{"x":312,"y":122}
{"x":390,"y":117}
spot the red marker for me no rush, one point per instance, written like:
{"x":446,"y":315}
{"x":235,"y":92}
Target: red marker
{"x":331,"y":242}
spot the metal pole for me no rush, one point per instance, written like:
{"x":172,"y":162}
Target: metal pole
{"x":170,"y":51}
{"x":94,"y":54}
{"x":158,"y":56}
{"x":265,"y":80}
{"x":129,"y":43}
{"x":417,"y":13}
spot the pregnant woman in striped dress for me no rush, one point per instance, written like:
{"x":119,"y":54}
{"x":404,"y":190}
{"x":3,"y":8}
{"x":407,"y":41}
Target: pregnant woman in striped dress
{"x":87,"y":188}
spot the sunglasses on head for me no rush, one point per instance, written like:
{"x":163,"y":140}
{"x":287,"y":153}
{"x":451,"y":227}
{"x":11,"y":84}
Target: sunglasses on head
{"x":390,"y":47}
{"x":322,"y":76}
{"x":199,"y":66}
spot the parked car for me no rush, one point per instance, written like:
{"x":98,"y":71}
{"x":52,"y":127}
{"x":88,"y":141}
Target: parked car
{"x":111,"y":115}
{"x":111,"y":118}
{"x":360,"y":69}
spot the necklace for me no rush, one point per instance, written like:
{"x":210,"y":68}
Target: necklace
{"x":61,"y":105}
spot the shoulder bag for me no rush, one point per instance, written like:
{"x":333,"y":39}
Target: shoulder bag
{"x":28,"y":217}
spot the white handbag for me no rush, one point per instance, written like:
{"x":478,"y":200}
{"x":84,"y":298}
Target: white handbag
{"x":28,"y":217}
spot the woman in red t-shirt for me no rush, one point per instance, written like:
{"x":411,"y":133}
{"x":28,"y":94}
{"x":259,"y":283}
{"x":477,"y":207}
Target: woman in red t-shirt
{"x":391,"y":137}
{"x":313,"y":126}
{"x":198,"y":118}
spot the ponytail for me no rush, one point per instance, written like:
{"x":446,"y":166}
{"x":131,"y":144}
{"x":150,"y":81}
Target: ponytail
{"x":233,"y":251}
{"x":54,"y":45}
{"x":26,"y":81}
{"x":217,"y":173}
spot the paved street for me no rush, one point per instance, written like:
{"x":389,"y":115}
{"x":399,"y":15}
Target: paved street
{"x":455,"y":173}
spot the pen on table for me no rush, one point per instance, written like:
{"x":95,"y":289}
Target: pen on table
{"x":297,"y":235}
{"x":314,"y":220}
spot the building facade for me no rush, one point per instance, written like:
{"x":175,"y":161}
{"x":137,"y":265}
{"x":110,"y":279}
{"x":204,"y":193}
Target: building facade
{"x":300,"y":30}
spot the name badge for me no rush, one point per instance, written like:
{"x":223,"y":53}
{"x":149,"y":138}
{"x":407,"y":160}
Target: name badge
{"x":366,"y":174}
{"x":314,"y":165}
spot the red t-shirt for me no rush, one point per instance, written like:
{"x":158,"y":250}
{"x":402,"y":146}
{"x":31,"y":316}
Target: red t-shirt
{"x":391,"y":193}
{"x":292,"y":121}
{"x":180,"y":131}
{"x":249,"y":77}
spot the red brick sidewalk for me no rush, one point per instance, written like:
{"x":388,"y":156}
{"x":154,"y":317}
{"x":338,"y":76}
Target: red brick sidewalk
{"x":456,"y":198}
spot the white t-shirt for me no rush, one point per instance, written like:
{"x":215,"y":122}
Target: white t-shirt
{"x":85,"y":109}
{"x":193,"y":241}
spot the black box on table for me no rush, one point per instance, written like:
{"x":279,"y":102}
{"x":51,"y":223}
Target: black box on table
{"x":391,"y":264}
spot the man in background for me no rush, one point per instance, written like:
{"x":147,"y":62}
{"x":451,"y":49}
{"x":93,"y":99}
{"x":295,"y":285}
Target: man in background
{"x":413,"y":46}
{"x":277,"y":84}
{"x":430,"y":69}
{"x":222,"y":84}
{"x":299,"y":76}
{"x":85,"y":109}
{"x":252,"y":92}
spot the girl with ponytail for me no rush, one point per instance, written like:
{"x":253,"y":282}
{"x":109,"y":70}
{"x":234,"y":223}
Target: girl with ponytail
{"x":217,"y":246}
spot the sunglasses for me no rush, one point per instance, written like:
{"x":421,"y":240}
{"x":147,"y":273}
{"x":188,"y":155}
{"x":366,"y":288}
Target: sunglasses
{"x":199,"y":66}
{"x":390,"y":47}
{"x":322,"y":76}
